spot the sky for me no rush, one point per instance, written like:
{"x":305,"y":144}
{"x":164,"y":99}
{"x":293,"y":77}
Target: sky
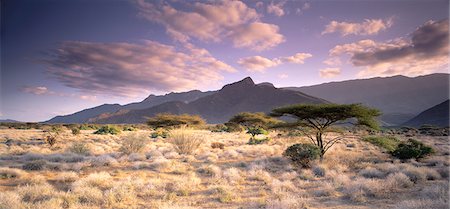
{"x":59,"y":57}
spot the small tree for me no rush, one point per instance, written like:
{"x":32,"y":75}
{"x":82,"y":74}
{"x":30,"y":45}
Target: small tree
{"x":316,"y":120}
{"x":255,"y":123}
{"x":167,"y":120}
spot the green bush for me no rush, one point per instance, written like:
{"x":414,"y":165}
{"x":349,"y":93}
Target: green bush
{"x":76,"y":131}
{"x":159,"y":133}
{"x":88,"y":127}
{"x":108,"y":130}
{"x":412,"y":149}
{"x":389,"y":143}
{"x":302,"y":154}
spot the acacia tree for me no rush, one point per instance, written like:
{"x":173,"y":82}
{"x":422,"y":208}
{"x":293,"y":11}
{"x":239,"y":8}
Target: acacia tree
{"x":315,"y":120}
{"x":254,"y":122}
{"x":167,"y":120}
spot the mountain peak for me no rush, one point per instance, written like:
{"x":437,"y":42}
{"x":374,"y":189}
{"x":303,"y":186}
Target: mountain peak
{"x":244,"y":83}
{"x":247,"y":80}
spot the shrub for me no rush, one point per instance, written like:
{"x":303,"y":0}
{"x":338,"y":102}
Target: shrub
{"x":7,"y":173}
{"x":389,"y":143}
{"x":253,"y":141}
{"x":50,"y":140}
{"x":302,"y":154}
{"x":133,"y":144}
{"x":129,"y":128}
{"x":412,"y":149}
{"x":88,"y":127}
{"x":185,"y":142}
{"x":253,"y":131}
{"x":35,"y":165}
{"x":76,"y":131}
{"x":217,"y":145}
{"x":108,"y":130}
{"x":233,"y":127}
{"x":159,"y":133}
{"x":219,"y":128}
{"x":80,"y":148}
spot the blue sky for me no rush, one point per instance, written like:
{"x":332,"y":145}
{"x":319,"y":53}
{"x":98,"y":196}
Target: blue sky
{"x":58,"y":57}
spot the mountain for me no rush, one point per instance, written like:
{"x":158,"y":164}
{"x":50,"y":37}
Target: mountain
{"x":400,"y":98}
{"x":9,"y":121}
{"x":84,"y":116}
{"x":218,"y":107}
{"x":437,"y":115}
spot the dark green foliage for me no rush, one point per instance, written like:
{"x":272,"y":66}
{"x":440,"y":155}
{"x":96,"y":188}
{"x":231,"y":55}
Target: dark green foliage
{"x":302,"y":154}
{"x":166,"y":120}
{"x":35,"y":165}
{"x":108,"y":130}
{"x":89,"y":127}
{"x":76,"y":131}
{"x":256,"y":131}
{"x":412,"y":149}
{"x":318,"y":119}
{"x":389,"y":143}
{"x":159,"y":133}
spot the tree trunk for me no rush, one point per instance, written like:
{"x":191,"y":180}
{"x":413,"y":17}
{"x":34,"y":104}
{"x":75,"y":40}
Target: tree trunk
{"x":320,"y":145}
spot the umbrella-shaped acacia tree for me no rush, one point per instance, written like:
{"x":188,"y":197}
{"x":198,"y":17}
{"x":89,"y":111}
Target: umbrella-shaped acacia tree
{"x":315,"y":120}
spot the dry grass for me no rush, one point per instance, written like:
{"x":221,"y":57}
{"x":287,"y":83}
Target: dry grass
{"x":185,"y":171}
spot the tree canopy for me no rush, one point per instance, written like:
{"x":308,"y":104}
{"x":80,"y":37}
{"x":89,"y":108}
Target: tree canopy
{"x":252,"y":120}
{"x":167,"y":120}
{"x":318,"y":119}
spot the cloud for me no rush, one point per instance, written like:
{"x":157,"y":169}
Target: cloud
{"x":214,"y":22}
{"x":260,"y":64}
{"x":257,"y":36}
{"x":426,"y":51}
{"x":368,"y":27}
{"x":257,"y":63}
{"x":36,"y":90}
{"x":128,"y":69}
{"x":276,"y":9}
{"x":329,"y":72}
{"x":298,"y":58}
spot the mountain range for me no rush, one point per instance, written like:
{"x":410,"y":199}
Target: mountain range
{"x":437,"y":115}
{"x":400,"y":98}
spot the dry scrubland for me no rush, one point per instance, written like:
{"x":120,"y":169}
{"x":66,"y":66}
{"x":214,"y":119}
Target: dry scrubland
{"x":106,"y":171}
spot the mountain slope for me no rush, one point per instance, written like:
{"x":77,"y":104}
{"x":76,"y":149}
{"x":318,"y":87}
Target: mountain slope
{"x":233,"y":98}
{"x":106,"y":109}
{"x":84,"y":115}
{"x":437,"y":115}
{"x":400,"y":98}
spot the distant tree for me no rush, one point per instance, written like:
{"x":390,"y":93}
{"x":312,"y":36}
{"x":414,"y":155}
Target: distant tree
{"x":255,"y":123}
{"x":316,"y":120}
{"x":167,"y":120}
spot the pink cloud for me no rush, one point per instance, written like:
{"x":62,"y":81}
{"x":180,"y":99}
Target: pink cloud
{"x":368,"y":27}
{"x":214,"y":22}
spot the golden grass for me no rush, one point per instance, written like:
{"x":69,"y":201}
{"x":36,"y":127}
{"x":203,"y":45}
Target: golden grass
{"x":159,"y":173}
